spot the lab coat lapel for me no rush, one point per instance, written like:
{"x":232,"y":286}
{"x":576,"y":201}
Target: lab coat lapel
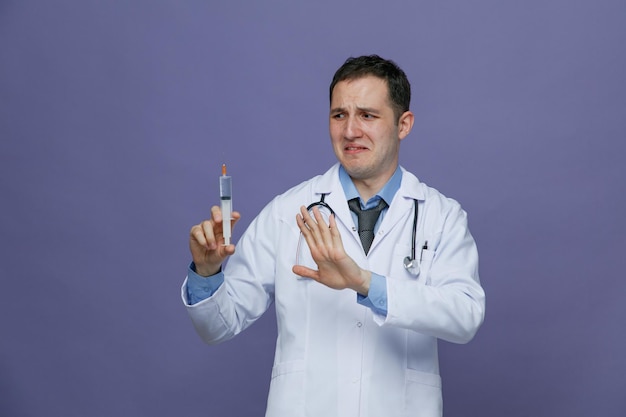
{"x":336,"y":198}
{"x":401,"y":207}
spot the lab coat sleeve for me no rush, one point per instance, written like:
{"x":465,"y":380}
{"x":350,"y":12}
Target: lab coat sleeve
{"x":247,"y":290}
{"x":446,"y":301}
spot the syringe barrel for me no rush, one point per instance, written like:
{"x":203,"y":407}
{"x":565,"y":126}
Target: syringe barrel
{"x":226,"y":186}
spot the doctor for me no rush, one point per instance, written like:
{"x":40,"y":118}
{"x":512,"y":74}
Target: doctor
{"x":359,"y":307}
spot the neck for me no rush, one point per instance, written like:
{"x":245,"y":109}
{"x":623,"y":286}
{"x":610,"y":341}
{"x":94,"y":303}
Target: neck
{"x":367,"y":184}
{"x":369,"y":188}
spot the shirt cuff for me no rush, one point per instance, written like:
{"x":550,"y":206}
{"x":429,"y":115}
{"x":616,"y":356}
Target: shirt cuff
{"x":377,"y":296}
{"x":200,"y":288}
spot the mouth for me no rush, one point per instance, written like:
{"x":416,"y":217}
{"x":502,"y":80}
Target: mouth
{"x":354,"y":148}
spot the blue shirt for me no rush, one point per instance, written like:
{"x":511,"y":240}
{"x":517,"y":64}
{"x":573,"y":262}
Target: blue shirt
{"x":200,"y":288}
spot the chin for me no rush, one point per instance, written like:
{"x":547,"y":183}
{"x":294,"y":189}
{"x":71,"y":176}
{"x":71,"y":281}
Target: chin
{"x":358,"y":172}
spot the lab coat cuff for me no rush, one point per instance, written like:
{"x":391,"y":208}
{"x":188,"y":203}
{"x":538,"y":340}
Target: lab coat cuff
{"x":200,"y":288}
{"x":377,"y":296}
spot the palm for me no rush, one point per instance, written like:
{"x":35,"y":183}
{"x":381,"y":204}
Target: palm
{"x":335,"y":268}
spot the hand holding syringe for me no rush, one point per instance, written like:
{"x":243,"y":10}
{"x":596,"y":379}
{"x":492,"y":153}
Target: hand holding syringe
{"x":205,"y":240}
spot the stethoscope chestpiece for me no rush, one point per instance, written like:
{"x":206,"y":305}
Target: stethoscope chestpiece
{"x":411,"y":265}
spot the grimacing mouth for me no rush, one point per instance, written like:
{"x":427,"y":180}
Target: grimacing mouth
{"x":354,"y":147}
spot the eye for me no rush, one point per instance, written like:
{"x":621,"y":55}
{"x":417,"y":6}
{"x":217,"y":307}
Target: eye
{"x":338,"y":116}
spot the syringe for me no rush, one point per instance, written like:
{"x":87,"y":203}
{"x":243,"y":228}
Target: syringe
{"x":226,"y":188}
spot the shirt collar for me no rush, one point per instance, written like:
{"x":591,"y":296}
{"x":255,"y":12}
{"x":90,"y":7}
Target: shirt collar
{"x":386,"y":193}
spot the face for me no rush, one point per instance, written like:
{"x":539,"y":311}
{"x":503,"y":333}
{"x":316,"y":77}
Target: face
{"x":364,"y":131}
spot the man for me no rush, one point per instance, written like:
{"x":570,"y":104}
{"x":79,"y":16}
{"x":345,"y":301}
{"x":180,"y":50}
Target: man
{"x":359,"y":316}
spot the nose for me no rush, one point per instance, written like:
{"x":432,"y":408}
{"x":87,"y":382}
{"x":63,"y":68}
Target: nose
{"x":352,"y":128}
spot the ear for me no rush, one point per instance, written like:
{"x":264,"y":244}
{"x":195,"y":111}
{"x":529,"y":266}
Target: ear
{"x":405,"y":124}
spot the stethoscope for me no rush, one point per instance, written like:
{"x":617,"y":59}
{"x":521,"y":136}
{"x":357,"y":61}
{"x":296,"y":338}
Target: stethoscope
{"x":410,"y":262}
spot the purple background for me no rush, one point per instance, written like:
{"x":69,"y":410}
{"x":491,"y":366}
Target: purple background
{"x":115,"y":118}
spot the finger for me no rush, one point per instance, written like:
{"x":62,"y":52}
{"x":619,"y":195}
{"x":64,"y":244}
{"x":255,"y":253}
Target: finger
{"x":319,"y":219}
{"x":305,"y":272}
{"x":234,"y":217}
{"x":305,"y":222}
{"x":313,"y":222}
{"x":197,"y":234}
{"x":305,"y":229}
{"x":323,"y":228}
{"x":306,"y":216}
{"x":334,"y":231}
{"x":228,"y":250}
{"x":310,"y":230}
{"x":306,"y":233}
{"x":216,"y":214}
{"x":301,"y":223}
{"x":209,"y":234}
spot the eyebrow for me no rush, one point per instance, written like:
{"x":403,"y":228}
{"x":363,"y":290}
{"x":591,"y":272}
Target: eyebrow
{"x":362,"y":109}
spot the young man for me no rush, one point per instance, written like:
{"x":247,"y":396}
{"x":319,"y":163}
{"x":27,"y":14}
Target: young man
{"x":370,"y":288}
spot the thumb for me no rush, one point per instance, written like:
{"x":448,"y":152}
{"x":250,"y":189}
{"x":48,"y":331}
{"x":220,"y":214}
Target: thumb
{"x":305,"y":272}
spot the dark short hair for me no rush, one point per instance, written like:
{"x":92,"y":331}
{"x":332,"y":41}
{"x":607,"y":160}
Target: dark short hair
{"x":387,"y":70}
